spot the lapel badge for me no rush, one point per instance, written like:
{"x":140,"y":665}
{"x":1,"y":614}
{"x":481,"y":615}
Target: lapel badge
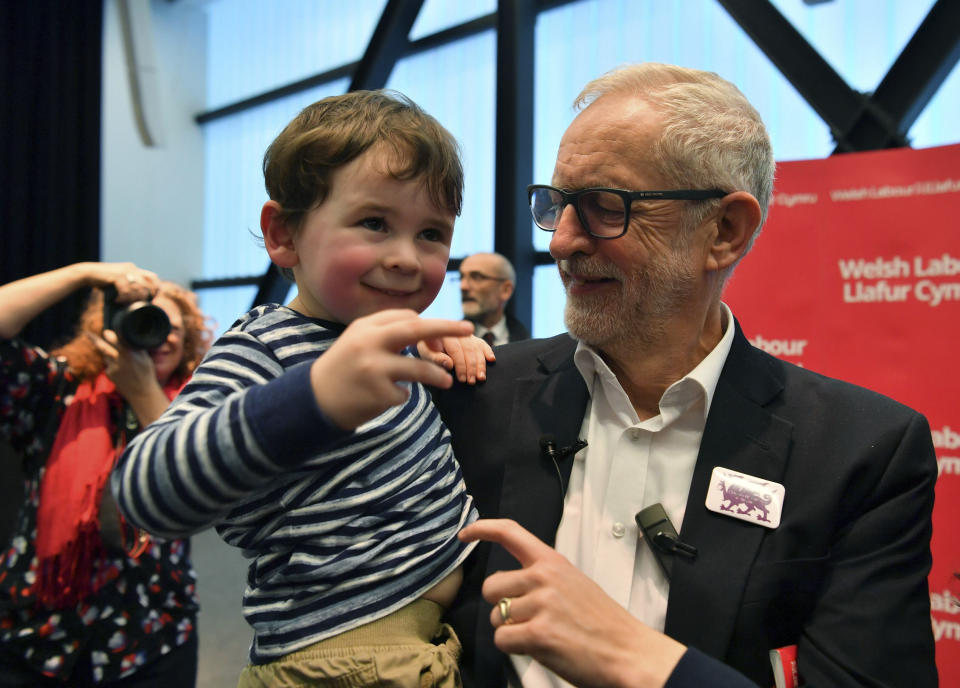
{"x":746,"y":497}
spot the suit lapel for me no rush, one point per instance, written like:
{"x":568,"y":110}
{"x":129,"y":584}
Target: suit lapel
{"x":742,"y":435}
{"x":549,"y":401}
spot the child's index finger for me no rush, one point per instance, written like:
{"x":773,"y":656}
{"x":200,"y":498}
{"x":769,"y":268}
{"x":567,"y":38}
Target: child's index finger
{"x":526,"y":547}
{"x":413,"y":330}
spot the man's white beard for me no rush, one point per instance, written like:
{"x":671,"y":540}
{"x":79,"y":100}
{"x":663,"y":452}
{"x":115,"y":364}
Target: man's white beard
{"x":635,"y":311}
{"x":472,"y":311}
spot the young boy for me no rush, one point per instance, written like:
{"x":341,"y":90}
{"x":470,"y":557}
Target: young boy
{"x":307,"y":436}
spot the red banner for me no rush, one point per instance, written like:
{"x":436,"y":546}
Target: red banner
{"x":857,"y":276}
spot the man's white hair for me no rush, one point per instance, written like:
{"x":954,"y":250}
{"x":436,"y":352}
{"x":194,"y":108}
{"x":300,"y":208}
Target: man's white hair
{"x":712,"y":136}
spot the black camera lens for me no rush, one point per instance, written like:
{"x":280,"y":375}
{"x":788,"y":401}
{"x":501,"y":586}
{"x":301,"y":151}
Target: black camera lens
{"x":140,"y":325}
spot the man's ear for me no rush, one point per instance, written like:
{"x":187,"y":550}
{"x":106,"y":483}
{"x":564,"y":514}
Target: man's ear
{"x":277,"y":236}
{"x":738,"y":219}
{"x":506,"y":291}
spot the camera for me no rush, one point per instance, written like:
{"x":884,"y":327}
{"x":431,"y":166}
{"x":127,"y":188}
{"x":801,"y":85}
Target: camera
{"x":140,"y":325}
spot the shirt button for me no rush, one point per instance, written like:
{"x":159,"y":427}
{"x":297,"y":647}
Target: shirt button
{"x":618,"y":530}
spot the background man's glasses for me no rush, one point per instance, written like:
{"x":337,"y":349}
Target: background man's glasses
{"x":474,"y":276}
{"x":603,"y":213}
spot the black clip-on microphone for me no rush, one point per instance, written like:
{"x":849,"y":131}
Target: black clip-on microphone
{"x":548,"y":446}
{"x":548,"y":449}
{"x":662,"y":537}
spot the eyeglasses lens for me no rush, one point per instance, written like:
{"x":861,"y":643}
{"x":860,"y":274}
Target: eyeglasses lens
{"x":603,"y":212}
{"x":546,"y":205}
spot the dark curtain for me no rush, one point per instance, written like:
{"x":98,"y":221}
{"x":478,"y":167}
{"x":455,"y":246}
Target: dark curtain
{"x":50,"y":78}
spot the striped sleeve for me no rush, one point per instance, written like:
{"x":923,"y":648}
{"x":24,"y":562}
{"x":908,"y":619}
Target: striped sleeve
{"x":242,"y":420}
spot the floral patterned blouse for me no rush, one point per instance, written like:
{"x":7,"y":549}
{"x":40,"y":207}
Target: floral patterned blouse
{"x":146,"y":607}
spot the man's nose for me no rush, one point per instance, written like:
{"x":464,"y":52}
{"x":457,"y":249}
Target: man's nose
{"x":570,"y":236}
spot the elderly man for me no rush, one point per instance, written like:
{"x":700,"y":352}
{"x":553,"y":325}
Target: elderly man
{"x":487,"y":281}
{"x":801,"y":504}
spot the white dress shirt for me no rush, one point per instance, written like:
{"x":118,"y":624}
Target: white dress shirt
{"x":628,"y":465}
{"x":500,"y":333}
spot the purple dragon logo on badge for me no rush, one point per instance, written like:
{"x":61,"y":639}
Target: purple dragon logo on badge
{"x":739,"y":498}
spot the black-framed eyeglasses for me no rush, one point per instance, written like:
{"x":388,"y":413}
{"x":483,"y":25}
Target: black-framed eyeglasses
{"x":604,"y":213}
{"x":475,"y":276}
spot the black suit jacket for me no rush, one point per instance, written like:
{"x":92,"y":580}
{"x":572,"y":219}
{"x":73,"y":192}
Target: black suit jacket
{"x":844,"y":575}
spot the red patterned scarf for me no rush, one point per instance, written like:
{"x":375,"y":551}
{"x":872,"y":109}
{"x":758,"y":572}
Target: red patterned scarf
{"x":69,"y":547}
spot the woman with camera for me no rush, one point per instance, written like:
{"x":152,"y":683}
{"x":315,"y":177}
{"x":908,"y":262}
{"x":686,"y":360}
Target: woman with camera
{"x":84,"y":599}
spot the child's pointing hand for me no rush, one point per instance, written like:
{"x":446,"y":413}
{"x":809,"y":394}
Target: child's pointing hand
{"x":356,"y":378}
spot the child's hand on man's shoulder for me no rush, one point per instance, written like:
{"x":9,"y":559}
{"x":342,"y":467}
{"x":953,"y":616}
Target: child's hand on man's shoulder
{"x":466,"y":356}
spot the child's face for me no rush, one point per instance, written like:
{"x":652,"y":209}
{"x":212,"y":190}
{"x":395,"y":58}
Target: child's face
{"x":375,"y":243}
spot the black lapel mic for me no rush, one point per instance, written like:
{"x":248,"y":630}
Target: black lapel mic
{"x":662,"y":538}
{"x":548,"y":447}
{"x":549,"y":450}
{"x":572,"y":449}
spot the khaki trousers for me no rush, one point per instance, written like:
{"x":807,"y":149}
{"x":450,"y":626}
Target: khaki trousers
{"x":409,"y":648}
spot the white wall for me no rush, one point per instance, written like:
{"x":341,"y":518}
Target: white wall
{"x":152,"y":214}
{"x":152,"y":197}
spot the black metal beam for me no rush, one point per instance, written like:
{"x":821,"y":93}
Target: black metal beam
{"x":431,"y":42}
{"x":514,"y":147}
{"x":922,"y":67}
{"x":340,"y":72}
{"x":826,"y":91}
{"x":273,"y":288}
{"x":219,"y":282}
{"x":859,"y":121}
{"x":421,"y":45}
{"x":387,"y":45}
{"x":452,"y":34}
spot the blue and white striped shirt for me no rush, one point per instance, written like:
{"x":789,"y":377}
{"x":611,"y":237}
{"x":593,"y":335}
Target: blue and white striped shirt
{"x":342,"y":527}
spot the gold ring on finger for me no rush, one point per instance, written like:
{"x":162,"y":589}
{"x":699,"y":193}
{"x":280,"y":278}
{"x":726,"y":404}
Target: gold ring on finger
{"x":504,"y":606}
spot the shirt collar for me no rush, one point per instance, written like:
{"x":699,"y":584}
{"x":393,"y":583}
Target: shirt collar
{"x":702,"y":380}
{"x":500,"y":333}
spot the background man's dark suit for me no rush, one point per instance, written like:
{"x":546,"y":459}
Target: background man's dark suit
{"x":516,"y":330}
{"x":846,"y":568}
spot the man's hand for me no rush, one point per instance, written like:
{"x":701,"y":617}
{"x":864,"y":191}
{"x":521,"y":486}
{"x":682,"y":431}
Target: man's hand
{"x":466,"y":356}
{"x":357,"y":378}
{"x":564,"y":620}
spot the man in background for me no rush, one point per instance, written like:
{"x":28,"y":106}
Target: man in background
{"x":486,"y":284}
